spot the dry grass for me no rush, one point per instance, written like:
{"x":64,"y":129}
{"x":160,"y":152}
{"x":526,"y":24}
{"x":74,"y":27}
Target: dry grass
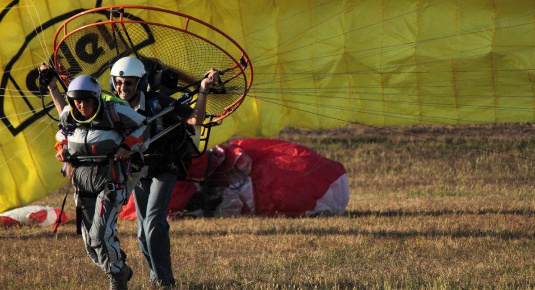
{"x":429,"y":208}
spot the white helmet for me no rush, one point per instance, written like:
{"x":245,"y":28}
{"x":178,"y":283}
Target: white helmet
{"x":127,"y":67}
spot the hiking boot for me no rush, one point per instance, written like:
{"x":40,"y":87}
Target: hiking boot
{"x":119,"y":281}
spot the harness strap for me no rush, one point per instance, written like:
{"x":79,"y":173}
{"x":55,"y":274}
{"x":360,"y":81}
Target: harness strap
{"x":115,"y":186}
{"x":58,"y":219}
{"x":205,"y":187}
{"x":113,"y":114}
{"x":112,"y":177}
{"x":114,"y":117}
{"x":79,"y":220}
{"x":79,"y":212}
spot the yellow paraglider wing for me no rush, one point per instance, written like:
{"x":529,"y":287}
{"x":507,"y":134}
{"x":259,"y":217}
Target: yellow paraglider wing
{"x":317,"y":64}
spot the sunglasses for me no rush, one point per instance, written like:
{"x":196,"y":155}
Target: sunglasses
{"x":125,"y":83}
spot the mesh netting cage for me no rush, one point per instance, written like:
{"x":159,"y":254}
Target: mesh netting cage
{"x":177,"y":52}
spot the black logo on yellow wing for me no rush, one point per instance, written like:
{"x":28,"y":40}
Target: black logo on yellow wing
{"x":88,"y":51}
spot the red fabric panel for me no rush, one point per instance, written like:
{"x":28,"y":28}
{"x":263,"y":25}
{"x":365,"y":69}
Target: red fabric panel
{"x":64,"y":217}
{"x":182,"y":193}
{"x":38,"y":216}
{"x":8,"y":222}
{"x":287,"y":178}
{"x":129,"y":209}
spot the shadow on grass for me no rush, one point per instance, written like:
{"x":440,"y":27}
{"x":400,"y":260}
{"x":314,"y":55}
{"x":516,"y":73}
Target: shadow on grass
{"x":401,"y":234}
{"x":472,"y":232}
{"x":319,"y":232}
{"x":400,"y":213}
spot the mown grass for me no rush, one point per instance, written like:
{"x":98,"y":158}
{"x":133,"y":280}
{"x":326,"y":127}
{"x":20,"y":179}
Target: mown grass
{"x":430,"y":207}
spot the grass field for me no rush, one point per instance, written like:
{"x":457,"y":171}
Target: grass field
{"x":430,"y":207}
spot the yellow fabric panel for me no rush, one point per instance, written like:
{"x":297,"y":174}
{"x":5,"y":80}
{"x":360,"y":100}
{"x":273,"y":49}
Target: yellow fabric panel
{"x":317,"y":64}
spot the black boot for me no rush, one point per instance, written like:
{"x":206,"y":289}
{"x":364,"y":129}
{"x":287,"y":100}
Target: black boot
{"x":119,"y":281}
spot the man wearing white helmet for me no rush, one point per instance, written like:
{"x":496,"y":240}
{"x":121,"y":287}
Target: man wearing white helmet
{"x":167,"y":159}
{"x":90,"y":126}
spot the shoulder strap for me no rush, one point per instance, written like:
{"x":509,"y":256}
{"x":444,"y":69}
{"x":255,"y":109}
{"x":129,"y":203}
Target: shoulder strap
{"x":154,"y":104}
{"x":112,"y":113}
{"x":112,"y":98}
{"x":110,"y":101}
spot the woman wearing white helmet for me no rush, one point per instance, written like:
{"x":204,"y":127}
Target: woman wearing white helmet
{"x":90,"y":126}
{"x":167,"y":159}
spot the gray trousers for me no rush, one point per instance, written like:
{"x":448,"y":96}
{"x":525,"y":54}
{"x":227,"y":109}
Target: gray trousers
{"x":152,"y":198}
{"x":99,"y":221}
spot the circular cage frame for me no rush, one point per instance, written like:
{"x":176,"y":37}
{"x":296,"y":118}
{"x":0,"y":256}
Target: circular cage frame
{"x":116,"y":13}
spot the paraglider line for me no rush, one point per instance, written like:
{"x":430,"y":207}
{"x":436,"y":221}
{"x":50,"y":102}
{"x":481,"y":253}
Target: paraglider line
{"x":357,"y":98}
{"x":309,"y":92}
{"x":399,"y":132}
{"x":380,"y":113}
{"x":333,"y":17}
{"x":45,"y":121}
{"x":473,"y":30}
{"x":304,"y":75}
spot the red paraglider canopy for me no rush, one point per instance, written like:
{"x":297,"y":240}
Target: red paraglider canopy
{"x":262,"y":177}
